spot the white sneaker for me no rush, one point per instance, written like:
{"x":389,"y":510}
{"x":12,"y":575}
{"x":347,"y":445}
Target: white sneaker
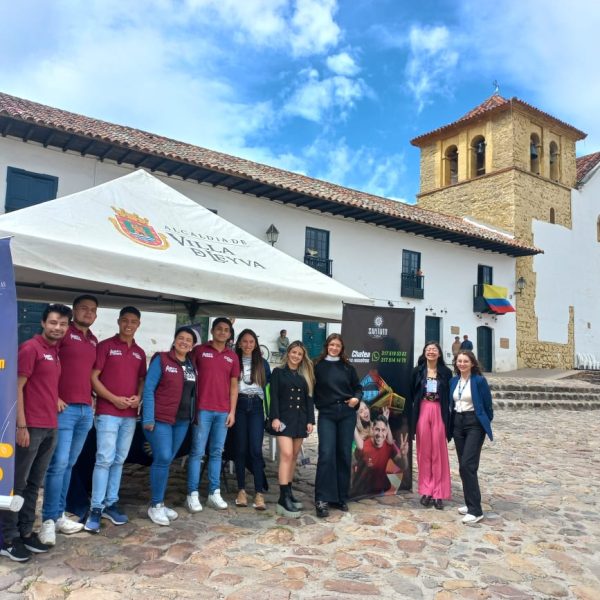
{"x":47,"y":533}
{"x":193,"y":503}
{"x":158,"y":514}
{"x":463,"y":510}
{"x":171,"y":514}
{"x":216,"y":501}
{"x":470,"y":519}
{"x":66,"y":526}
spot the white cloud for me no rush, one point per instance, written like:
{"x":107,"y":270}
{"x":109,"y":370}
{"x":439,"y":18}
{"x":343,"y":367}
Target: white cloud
{"x":431,"y":63}
{"x":342,"y":64}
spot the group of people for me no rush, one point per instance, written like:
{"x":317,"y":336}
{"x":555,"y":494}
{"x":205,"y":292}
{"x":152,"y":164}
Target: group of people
{"x":446,"y":407}
{"x":68,"y":381}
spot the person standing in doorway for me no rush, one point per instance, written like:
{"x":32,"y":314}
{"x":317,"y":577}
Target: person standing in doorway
{"x":472,"y":411}
{"x":337,"y":396}
{"x":455,"y":347}
{"x":77,"y":353}
{"x":292,"y":415}
{"x":282,"y":342}
{"x":218,"y":370}
{"x":118,"y":380}
{"x":37,"y":401}
{"x":466,"y":344}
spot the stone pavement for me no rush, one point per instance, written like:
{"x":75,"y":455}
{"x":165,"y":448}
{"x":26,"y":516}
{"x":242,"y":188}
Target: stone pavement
{"x":541,"y":538}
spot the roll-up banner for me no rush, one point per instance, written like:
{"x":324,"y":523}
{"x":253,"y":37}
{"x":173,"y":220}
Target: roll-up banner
{"x":379,"y":343}
{"x":8,"y":378}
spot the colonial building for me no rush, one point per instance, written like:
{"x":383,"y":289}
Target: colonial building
{"x":510,"y":165}
{"x":399,"y":255}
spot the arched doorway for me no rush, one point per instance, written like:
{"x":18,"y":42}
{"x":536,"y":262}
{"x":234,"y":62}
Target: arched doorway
{"x":484,"y":348}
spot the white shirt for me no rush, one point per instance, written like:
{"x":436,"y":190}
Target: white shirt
{"x":463,"y":400}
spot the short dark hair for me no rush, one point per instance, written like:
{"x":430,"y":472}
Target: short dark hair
{"x":381,"y":418}
{"x":187,"y":329}
{"x":62,"y":309}
{"x":130,"y":310}
{"x":219,"y":320}
{"x":85,"y":297}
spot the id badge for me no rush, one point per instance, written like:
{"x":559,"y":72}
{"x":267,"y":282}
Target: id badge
{"x":431,"y":386}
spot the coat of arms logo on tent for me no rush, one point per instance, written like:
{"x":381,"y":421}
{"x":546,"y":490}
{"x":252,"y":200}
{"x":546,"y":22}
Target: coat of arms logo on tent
{"x":138,"y":229}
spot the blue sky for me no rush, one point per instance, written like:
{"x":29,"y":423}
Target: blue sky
{"x":334,"y":89}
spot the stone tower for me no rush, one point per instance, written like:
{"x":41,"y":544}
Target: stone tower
{"x":506,"y":163}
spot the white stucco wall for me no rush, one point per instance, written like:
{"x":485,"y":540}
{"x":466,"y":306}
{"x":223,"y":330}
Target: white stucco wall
{"x":365,"y":257}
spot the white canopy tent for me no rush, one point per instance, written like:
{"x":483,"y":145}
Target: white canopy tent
{"x":137,"y":241}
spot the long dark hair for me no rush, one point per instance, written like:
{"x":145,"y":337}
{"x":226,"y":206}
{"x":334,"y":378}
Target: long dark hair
{"x":330,"y":338}
{"x":257,"y":368}
{"x":423,"y":359}
{"x":475,"y":369}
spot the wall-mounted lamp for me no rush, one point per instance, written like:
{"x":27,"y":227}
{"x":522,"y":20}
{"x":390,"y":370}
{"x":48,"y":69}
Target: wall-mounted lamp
{"x":272,"y":234}
{"x":521,"y":283}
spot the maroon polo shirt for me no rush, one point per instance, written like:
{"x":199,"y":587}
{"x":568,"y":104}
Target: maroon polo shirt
{"x":38,"y":361}
{"x":77,"y":352}
{"x":215,"y":371}
{"x":121,"y":368}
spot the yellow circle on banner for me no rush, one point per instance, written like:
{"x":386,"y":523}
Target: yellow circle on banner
{"x":1,"y":474}
{"x":6,"y":450}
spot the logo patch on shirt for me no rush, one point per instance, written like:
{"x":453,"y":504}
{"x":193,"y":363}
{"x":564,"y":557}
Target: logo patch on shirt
{"x":170,"y":369}
{"x":48,"y":357}
{"x":136,"y":355}
{"x":115,"y":353}
{"x":75,"y":337}
{"x":207,"y":355}
{"x":228,"y":359}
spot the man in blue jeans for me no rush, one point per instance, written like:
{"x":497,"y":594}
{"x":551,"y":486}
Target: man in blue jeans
{"x":118,"y":380}
{"x":218,"y":371}
{"x":77,"y":353}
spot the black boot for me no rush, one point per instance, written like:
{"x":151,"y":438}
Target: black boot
{"x":285,"y":506}
{"x":297,"y":504}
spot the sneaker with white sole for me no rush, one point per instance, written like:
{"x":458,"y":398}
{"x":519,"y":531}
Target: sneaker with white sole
{"x":15,"y":551}
{"x":193,"y":503}
{"x":172,"y":515}
{"x":66,"y":526}
{"x":463,"y":510}
{"x":158,"y":514}
{"x":471,"y":519}
{"x":48,"y":532}
{"x":215,"y":500}
{"x":34,"y":544}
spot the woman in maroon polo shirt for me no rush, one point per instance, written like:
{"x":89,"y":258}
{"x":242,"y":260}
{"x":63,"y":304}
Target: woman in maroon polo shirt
{"x":169,"y":404}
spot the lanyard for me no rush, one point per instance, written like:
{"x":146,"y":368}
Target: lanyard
{"x":462,"y":389}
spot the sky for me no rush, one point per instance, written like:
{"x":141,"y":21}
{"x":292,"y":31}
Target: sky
{"x":334,"y":89}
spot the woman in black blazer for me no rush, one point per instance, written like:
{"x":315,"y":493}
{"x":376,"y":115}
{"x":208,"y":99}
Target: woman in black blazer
{"x":472,"y":414}
{"x":431,"y":424}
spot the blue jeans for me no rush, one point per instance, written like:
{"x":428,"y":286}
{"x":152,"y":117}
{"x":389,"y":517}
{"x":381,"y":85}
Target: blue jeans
{"x":165,"y":440}
{"x":210,"y":424}
{"x":74,"y":424}
{"x":249,"y":431}
{"x":113,"y":440}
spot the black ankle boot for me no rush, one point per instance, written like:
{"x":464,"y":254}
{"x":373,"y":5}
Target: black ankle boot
{"x":285,"y":506}
{"x":297,"y":504}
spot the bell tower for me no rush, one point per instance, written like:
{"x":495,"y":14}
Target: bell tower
{"x":506,"y":163}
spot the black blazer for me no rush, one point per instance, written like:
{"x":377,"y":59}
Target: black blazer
{"x":417,"y":386}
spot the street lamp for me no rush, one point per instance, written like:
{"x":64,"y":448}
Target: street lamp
{"x":521,"y":283}
{"x":272,"y":234}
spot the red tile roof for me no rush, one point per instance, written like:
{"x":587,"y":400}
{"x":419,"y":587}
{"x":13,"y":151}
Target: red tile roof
{"x":585,"y":164}
{"x":495,"y":103}
{"x":136,"y":139}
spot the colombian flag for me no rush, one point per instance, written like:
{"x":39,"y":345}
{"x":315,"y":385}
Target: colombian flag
{"x":495,"y":298}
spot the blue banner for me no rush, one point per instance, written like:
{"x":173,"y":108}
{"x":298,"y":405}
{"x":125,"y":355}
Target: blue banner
{"x":8,"y":374}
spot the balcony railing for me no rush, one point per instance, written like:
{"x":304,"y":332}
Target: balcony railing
{"x":412,"y":285}
{"x":324,"y":265}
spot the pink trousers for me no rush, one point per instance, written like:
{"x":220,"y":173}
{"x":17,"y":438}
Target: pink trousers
{"x":432,"y":453}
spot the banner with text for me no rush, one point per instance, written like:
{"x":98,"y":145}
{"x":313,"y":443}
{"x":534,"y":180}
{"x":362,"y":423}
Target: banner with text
{"x":8,"y":373}
{"x":379,"y":343}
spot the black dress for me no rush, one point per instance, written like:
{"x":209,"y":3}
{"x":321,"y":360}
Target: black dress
{"x":290,"y":402}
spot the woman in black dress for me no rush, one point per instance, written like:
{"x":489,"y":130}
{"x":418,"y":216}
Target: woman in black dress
{"x":292,"y":418}
{"x":337,"y":396}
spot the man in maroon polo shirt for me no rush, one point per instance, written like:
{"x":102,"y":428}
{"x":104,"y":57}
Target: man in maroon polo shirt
{"x":118,"y":380}
{"x":37,"y":409}
{"x":218,"y":371}
{"x":77,"y":353}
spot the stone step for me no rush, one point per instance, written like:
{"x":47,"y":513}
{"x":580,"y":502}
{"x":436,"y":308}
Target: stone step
{"x":544,"y":404}
{"x":544,"y":387}
{"x":526,"y":394}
